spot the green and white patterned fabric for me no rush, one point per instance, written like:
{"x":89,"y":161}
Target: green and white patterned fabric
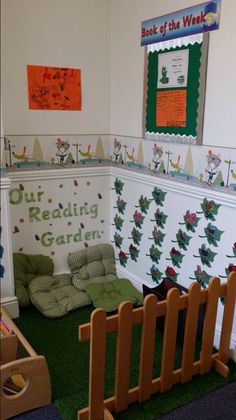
{"x":109,"y":295}
{"x":55,"y":296}
{"x":95,"y":264}
{"x":26,"y":267}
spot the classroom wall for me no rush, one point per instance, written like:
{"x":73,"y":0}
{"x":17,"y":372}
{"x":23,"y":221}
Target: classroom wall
{"x":127,"y":58}
{"x":103,"y":39}
{"x":74,"y":33}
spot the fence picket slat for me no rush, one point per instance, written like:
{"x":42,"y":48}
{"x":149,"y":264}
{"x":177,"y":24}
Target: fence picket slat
{"x":123,"y":350}
{"x":97,"y":364}
{"x":209,"y":326}
{"x":147,"y":347}
{"x":228,"y":317}
{"x":190,"y":332}
{"x":169,"y":344}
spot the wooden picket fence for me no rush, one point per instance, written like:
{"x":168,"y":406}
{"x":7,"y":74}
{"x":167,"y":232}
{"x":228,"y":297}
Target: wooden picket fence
{"x":122,"y":323}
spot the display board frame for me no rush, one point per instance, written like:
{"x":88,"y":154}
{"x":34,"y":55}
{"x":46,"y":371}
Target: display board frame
{"x":195,"y":89}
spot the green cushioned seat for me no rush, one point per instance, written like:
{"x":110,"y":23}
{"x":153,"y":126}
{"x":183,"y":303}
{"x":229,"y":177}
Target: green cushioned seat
{"x":94,"y":264}
{"x":109,"y":295}
{"x":55,"y":296}
{"x":26,"y":267}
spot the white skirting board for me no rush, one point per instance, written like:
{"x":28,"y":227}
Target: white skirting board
{"x":137,"y":282}
{"x":11,"y":306}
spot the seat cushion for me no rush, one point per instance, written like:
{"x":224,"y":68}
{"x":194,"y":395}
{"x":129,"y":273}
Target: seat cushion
{"x":110,"y":294}
{"x":26,"y":267}
{"x":55,"y":296}
{"x":94,"y":264}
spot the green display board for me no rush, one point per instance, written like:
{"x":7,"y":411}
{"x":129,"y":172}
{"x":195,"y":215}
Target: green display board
{"x":176,"y":90}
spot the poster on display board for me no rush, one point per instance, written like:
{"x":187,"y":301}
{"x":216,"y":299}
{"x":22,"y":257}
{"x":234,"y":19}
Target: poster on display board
{"x":173,"y":69}
{"x":197,"y":19}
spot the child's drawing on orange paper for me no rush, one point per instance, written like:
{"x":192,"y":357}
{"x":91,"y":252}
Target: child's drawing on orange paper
{"x":57,"y":88}
{"x":171,"y":108}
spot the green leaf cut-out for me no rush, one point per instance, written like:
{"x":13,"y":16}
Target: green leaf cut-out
{"x":123,"y":258}
{"x":234,"y":252}
{"x":206,"y":255}
{"x":155,"y":254}
{"x":160,"y":218}
{"x":118,"y":222}
{"x":136,"y":236}
{"x":138,"y":219}
{"x":155,"y":273}
{"x":144,"y":204}
{"x":183,"y":239}
{"x":210,"y":209}
{"x":230,"y":268}
{"x":118,"y":240}
{"x":171,"y":274}
{"x":118,"y":186}
{"x":201,"y":276}
{"x":158,"y":196}
{"x":176,"y":257}
{"x":157,"y":236}
{"x":133,"y":252}
{"x":121,"y":204}
{"x":190,"y":221}
{"x":213,"y":234}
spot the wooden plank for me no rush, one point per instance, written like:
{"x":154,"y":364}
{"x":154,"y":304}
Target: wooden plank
{"x":123,"y":351}
{"x":107,"y":415}
{"x":190,"y":332}
{"x":228,"y":317}
{"x":111,"y":325}
{"x":8,"y":347}
{"x":169,"y":344}
{"x":97,"y":364}
{"x":209,"y":327}
{"x":147,"y":347}
{"x":221,"y":368}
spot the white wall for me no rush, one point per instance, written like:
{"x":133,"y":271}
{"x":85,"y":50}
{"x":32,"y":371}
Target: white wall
{"x":103,"y":39}
{"x":127,"y":58}
{"x":64,"y":33}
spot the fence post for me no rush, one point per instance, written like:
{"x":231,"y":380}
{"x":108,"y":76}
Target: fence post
{"x":228,"y":317}
{"x":169,"y":344}
{"x":206,"y":360}
{"x":147,"y":347}
{"x":97,"y":364}
{"x":123,"y":350}
{"x":190,"y":332}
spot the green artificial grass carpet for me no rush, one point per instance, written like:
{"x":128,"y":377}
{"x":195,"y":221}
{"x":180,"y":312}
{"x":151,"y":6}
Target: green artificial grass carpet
{"x":68,"y":360}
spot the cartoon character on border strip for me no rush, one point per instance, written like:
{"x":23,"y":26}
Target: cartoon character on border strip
{"x":157,"y":153}
{"x":62,"y":147}
{"x":117,"y":151}
{"x":213,"y":163}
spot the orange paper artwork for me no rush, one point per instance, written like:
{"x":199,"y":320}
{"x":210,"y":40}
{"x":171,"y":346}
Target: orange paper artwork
{"x":54,"y":88}
{"x":171,"y":108}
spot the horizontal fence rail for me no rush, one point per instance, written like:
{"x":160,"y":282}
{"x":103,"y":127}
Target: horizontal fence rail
{"x":122,"y":323}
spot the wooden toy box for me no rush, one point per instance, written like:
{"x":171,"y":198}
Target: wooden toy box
{"x":25,"y":381}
